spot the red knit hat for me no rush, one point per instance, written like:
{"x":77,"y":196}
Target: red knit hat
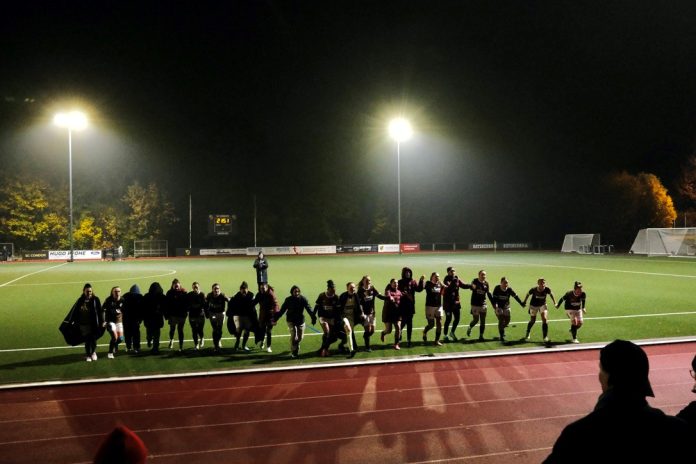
{"x":121,"y":445}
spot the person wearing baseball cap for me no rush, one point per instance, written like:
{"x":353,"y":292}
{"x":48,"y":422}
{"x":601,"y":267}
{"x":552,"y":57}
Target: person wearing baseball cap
{"x":623,"y":427}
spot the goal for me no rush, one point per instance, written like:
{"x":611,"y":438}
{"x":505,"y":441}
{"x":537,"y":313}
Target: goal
{"x":665,"y":242}
{"x":150,"y":248}
{"x":580,"y":243}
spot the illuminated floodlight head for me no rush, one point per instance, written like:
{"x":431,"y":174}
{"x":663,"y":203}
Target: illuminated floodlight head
{"x":73,"y":120}
{"x":400,"y":129}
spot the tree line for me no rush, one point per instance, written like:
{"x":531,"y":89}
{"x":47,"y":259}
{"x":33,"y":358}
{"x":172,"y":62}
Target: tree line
{"x":34,"y":214}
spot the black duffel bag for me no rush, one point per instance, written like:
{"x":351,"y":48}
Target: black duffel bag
{"x":71,"y":330}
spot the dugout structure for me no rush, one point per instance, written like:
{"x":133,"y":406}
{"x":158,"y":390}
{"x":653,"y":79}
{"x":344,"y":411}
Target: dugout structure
{"x":150,"y":248}
{"x":581,"y":243}
{"x":665,"y":242}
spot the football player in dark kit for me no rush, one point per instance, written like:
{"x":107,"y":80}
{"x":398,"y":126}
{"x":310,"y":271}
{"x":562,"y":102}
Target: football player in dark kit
{"x":351,"y":313}
{"x":196,"y":314}
{"x":538,"y":305}
{"x":242,"y":310}
{"x":433,"y":307}
{"x":367,"y":294}
{"x":479,"y":292}
{"x":326,"y":307}
{"x":295,"y":305}
{"x":176,"y":312}
{"x":215,"y":311}
{"x":268,"y":305}
{"x":408,"y":287}
{"x":575,"y":308}
{"x":501,"y":305}
{"x":451,"y":303}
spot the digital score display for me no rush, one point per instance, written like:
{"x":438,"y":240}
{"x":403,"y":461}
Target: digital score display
{"x":220,"y":224}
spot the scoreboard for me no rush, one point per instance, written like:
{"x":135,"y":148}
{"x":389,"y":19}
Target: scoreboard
{"x":220,"y":224}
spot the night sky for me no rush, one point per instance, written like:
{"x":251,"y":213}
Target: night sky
{"x":518,"y":107}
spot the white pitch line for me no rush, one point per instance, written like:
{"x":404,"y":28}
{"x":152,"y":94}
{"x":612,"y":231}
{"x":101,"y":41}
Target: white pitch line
{"x":32,"y":273}
{"x":311,"y":334}
{"x":168,"y":273}
{"x":596,"y":269}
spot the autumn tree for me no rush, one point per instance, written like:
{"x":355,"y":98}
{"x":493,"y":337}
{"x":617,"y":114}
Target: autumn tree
{"x":149,"y":213}
{"x":632,"y":202}
{"x":28,"y":215}
{"x":686,"y":188}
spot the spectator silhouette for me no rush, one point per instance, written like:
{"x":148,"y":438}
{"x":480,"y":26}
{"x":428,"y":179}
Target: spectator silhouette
{"x":689,"y":412}
{"x":121,"y":446}
{"x":623,"y":427}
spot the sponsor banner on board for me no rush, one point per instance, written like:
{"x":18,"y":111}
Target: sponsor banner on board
{"x":34,"y":254}
{"x":223,"y":251}
{"x":293,"y":250}
{"x":482,"y":246}
{"x":516,"y":246}
{"x":356,"y":248}
{"x":388,"y":248}
{"x":77,"y":254}
{"x":410,"y":247}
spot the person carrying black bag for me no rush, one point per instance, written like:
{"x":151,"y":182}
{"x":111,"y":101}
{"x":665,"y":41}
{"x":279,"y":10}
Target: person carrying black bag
{"x":86,"y":313}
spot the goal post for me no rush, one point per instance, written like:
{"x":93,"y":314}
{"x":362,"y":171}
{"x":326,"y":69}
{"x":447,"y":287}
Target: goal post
{"x":665,"y":242}
{"x":580,"y":243}
{"x":150,"y":248}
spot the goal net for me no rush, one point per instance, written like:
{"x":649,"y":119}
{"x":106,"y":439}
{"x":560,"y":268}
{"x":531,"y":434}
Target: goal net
{"x":150,"y":248}
{"x":580,"y":243}
{"x":665,"y":242}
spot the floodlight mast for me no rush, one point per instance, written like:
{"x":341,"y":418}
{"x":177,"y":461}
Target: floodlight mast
{"x":77,"y":121}
{"x":400,"y":130}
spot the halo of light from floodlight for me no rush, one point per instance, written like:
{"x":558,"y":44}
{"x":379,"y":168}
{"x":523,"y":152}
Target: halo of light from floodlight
{"x":74,"y":120}
{"x":400,"y":129}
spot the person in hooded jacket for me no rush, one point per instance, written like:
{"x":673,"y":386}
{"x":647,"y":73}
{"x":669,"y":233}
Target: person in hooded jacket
{"x":132,"y":317}
{"x":154,"y":303}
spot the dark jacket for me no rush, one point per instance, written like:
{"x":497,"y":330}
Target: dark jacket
{"x":624,"y":428}
{"x":94,"y":314}
{"x":261,"y":266}
{"x":154,"y":303}
{"x":689,"y":415}
{"x":242,"y":305}
{"x":133,"y":307}
{"x":177,"y":303}
{"x":295,"y":307}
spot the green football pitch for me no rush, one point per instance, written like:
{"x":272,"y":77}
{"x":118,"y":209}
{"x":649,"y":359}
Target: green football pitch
{"x":628,"y":297}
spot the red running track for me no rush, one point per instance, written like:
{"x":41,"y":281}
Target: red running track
{"x":483,"y":410}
